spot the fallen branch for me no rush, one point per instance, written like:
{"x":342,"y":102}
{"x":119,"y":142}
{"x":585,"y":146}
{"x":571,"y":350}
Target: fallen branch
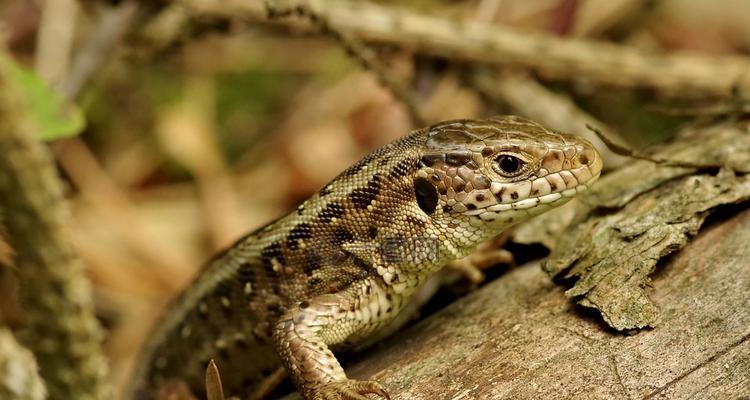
{"x":531,"y":99}
{"x":675,"y":74}
{"x":360,"y":52}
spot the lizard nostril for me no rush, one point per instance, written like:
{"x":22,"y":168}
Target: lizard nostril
{"x":586,"y":156}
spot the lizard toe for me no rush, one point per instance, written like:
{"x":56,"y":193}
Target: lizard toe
{"x":350,"y":390}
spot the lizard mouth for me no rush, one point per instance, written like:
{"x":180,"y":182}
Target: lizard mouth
{"x":548,"y":190}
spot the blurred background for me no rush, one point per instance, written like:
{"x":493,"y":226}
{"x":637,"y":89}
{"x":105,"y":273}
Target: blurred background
{"x":201,"y":126}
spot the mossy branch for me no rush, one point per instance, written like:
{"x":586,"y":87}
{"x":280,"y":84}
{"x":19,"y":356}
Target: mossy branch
{"x":62,"y":330}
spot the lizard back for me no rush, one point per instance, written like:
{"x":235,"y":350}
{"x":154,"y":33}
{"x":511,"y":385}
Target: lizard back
{"x":228,"y":312}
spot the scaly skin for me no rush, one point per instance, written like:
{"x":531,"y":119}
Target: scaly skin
{"x":339,"y":268}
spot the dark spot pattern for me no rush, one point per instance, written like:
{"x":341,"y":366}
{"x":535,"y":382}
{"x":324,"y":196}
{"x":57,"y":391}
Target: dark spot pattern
{"x":354,"y":169}
{"x":222,"y":289}
{"x":342,"y":235}
{"x":363,"y":197}
{"x":402,"y":168}
{"x":411,"y":220}
{"x":268,"y":268}
{"x":372,"y":232}
{"x":514,"y":195}
{"x":499,"y":195}
{"x":325,"y":191}
{"x":270,"y":252}
{"x":384,"y":160}
{"x":332,"y":210}
{"x":313,"y":261}
{"x":426,"y":194}
{"x":301,"y":231}
{"x":245,"y":272}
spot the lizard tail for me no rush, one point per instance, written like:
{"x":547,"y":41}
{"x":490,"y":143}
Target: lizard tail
{"x":204,"y":327}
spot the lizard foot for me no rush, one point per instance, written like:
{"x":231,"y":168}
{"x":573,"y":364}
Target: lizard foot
{"x":350,"y":390}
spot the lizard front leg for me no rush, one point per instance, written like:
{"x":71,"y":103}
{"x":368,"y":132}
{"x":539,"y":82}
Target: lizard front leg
{"x":302,"y":336}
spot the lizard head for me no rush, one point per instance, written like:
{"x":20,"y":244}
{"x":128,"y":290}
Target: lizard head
{"x":476,"y":178}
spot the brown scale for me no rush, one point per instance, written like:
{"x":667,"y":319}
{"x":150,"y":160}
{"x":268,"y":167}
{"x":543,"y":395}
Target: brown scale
{"x":456,"y":176}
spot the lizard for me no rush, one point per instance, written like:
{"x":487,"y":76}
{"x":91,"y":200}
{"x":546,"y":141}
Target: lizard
{"x":335,"y":271}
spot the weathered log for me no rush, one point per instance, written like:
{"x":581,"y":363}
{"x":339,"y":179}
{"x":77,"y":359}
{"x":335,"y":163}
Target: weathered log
{"x":520,"y":337}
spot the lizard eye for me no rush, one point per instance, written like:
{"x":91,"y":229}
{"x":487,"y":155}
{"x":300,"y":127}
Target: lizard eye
{"x":508,"y":165}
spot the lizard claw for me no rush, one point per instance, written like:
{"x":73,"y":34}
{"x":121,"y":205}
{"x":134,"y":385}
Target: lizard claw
{"x":350,"y":390}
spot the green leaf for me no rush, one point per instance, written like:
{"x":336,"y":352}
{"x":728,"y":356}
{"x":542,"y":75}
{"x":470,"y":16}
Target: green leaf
{"x":54,"y":118}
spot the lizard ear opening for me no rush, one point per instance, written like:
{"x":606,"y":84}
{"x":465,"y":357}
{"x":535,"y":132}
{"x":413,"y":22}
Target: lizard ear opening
{"x":426,"y":194}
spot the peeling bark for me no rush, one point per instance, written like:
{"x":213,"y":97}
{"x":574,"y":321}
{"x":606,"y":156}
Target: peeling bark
{"x":639,"y":214}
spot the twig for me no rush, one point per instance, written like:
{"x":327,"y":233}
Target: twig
{"x":531,"y":99}
{"x":111,"y":27}
{"x":627,"y":152}
{"x":62,"y":329}
{"x":55,"y":39}
{"x":675,"y":74}
{"x":734,"y":106}
{"x":360,"y":52}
